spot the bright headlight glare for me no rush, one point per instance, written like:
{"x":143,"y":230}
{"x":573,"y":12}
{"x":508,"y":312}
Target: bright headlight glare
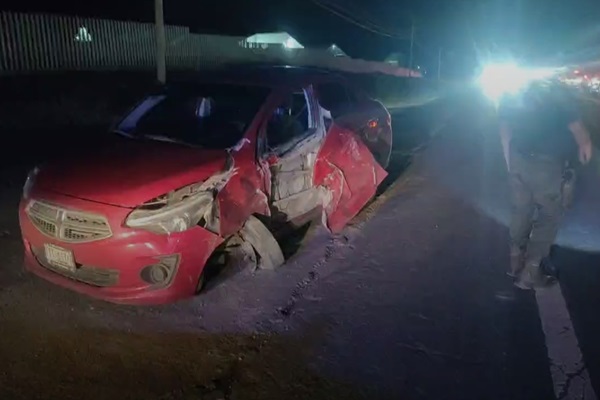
{"x":30,"y":182}
{"x":497,"y":80}
{"x":176,"y":217}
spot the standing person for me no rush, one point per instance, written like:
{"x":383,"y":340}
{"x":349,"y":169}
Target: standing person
{"x":539,"y":131}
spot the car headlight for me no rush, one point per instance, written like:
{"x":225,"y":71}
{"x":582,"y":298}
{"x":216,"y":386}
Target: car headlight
{"x":177,"y":211}
{"x":29,"y":182}
{"x":498,"y":80}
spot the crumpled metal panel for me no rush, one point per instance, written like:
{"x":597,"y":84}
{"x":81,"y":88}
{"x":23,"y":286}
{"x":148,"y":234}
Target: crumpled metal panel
{"x":244,"y":194}
{"x":372,"y":122}
{"x":348,"y":169}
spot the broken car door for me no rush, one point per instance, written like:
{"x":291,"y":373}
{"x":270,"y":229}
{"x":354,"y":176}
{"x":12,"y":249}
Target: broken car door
{"x":347,"y":168}
{"x":292,"y":136}
{"x":245,"y":193}
{"x":368,"y":118}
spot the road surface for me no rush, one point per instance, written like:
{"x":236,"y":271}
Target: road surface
{"x":411,"y":301}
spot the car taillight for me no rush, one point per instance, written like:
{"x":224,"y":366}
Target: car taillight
{"x":372,"y":130}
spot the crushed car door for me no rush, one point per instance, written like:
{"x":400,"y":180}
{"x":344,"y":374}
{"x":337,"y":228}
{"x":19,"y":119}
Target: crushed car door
{"x":292,"y":138}
{"x":368,"y":118}
{"x":347,"y":168}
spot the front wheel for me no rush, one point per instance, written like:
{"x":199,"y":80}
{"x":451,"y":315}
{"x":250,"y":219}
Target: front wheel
{"x":260,"y":238}
{"x":233,"y":257}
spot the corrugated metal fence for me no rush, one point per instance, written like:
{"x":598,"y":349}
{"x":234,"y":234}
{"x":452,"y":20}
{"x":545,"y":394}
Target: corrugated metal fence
{"x":38,"y":42}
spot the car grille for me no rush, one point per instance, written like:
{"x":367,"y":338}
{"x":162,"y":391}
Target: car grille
{"x":66,"y":225}
{"x":91,"y":275}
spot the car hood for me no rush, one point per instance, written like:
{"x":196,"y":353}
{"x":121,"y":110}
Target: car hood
{"x":127,"y":172}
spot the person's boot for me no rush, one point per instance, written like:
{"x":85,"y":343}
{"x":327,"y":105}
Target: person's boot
{"x":533,"y":277}
{"x":549,"y":268}
{"x":517,"y":262}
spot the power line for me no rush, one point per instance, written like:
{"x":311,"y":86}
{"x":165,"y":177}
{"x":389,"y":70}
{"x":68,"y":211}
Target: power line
{"x":351,"y":9}
{"x":373,"y":28}
{"x":364,"y":24}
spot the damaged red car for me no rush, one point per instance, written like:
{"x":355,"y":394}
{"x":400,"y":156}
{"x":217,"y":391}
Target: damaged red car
{"x":199,"y":167}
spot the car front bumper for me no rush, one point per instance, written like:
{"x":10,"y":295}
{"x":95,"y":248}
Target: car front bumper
{"x":110,"y":269}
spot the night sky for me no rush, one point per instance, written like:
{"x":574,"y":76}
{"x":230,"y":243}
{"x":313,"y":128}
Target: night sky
{"x":463,"y":28}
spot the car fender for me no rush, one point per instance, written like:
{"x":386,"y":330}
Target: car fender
{"x":348,"y":170}
{"x":242,"y":196}
{"x":373,"y":124}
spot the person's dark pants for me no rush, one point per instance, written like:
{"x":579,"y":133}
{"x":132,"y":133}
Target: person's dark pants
{"x":536,"y":185}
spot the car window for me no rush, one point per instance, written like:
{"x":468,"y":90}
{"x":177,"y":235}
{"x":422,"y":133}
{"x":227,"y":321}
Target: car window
{"x":212,"y":116}
{"x":335,"y":98}
{"x":292,"y":119}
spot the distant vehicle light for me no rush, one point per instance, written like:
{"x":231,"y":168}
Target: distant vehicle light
{"x":497,"y":80}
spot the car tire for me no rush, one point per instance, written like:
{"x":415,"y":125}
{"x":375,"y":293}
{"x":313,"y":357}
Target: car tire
{"x":233,"y":257}
{"x":201,"y":283}
{"x":270,"y":255}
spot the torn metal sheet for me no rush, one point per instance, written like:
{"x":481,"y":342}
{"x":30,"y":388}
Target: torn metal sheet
{"x":292,"y":172}
{"x":218,"y":181}
{"x":301,"y":203}
{"x":290,"y":183}
{"x":372,"y":122}
{"x":346,"y":167}
{"x":241,"y":197}
{"x":239,"y":145}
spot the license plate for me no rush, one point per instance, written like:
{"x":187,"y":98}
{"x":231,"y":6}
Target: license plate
{"x":59,"y":257}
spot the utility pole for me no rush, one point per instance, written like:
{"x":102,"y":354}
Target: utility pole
{"x":412,"y":42}
{"x":439,"y":74}
{"x":161,"y":43}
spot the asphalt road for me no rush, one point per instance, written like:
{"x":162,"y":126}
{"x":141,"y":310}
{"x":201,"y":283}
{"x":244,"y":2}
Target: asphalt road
{"x":410,"y":302}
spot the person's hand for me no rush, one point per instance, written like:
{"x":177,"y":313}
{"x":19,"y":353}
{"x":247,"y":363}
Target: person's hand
{"x":585,"y":153}
{"x":582,"y":137}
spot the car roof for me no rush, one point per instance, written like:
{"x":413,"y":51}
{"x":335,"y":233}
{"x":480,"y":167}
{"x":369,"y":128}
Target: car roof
{"x":259,"y":75}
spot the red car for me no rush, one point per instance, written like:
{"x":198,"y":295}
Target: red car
{"x":200,"y":167}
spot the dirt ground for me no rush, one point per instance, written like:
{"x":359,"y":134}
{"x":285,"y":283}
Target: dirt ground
{"x":83,"y":362}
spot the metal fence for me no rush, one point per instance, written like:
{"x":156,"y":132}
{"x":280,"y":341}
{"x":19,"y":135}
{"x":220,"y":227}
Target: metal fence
{"x":38,"y":42}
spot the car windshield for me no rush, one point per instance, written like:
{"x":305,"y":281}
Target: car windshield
{"x":208,"y":116}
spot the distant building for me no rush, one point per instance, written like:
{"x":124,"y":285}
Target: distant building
{"x":265,"y":40}
{"x":336,"y":51}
